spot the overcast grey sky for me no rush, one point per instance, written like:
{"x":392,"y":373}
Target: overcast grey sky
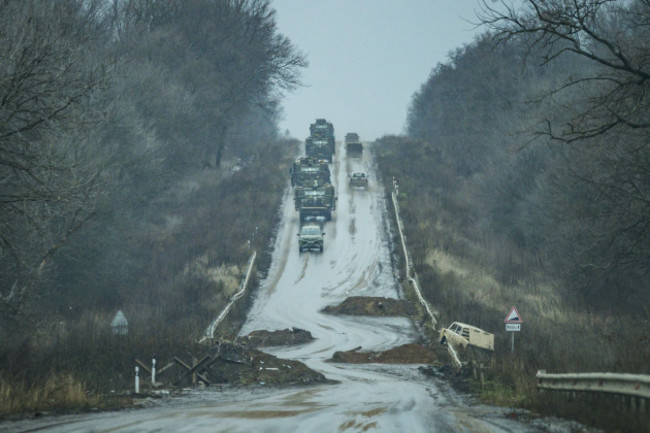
{"x":367,"y":58}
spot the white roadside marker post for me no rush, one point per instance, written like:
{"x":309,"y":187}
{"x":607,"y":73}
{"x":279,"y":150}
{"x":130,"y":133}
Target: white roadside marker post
{"x":137,"y":380}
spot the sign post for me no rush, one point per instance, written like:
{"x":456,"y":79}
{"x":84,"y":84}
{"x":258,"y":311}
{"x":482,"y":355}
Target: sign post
{"x":513,"y":324}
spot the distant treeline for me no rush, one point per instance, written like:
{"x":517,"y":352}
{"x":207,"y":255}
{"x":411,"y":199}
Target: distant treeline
{"x":535,"y":140}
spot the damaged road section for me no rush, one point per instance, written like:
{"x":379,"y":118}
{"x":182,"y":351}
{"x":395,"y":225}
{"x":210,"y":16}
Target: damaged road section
{"x":411,"y":353}
{"x":372,"y":306}
{"x":238,"y":364}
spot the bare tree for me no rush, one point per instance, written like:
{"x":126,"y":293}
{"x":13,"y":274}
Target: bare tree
{"x":48,"y":174}
{"x":229,"y":51}
{"x":611,"y":36}
{"x":595,"y":196}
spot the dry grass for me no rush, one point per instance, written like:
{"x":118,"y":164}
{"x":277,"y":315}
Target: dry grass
{"x":57,"y":392}
{"x":557,"y":335}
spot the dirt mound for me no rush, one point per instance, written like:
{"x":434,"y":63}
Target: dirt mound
{"x":238,"y":364}
{"x":372,"y":306}
{"x":284,"y":337}
{"x":405,"y":354}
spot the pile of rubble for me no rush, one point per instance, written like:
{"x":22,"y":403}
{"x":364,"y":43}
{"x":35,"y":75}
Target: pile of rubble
{"x":405,"y":354}
{"x":283,"y":337}
{"x":373,"y":306}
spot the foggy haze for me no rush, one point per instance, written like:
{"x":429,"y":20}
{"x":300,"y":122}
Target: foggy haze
{"x":367,"y":58}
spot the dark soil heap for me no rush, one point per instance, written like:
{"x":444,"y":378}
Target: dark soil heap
{"x":283,"y":337}
{"x":237,"y":364}
{"x":372,"y":306}
{"x":405,"y":354}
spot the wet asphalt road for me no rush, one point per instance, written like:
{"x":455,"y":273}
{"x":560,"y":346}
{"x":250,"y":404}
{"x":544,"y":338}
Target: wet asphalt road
{"x":373,"y":398}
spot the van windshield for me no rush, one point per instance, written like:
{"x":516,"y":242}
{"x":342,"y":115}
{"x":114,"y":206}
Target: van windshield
{"x":310,"y":231}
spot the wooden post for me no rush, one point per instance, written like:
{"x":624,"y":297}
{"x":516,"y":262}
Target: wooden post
{"x":193,"y":368}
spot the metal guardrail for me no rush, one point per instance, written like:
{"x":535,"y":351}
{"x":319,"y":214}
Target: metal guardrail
{"x":632,"y":385}
{"x":209,"y":333}
{"x":410,"y":273}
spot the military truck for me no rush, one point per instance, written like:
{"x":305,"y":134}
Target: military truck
{"x":318,"y":201}
{"x":353,"y":145}
{"x":359,"y":179}
{"x":319,"y":148}
{"x":309,"y":171}
{"x":322,"y":129}
{"x":310,"y":237}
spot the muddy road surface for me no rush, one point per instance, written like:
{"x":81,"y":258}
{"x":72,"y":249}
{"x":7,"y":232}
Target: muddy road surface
{"x":366,"y":397}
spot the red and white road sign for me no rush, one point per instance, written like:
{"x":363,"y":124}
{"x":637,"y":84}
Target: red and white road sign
{"x":514,"y":316}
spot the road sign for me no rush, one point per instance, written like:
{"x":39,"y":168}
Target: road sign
{"x":513,"y":324}
{"x":513,"y":316}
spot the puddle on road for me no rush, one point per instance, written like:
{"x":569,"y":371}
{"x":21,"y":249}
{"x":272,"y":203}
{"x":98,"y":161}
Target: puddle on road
{"x":353,"y":228}
{"x":352,"y":208}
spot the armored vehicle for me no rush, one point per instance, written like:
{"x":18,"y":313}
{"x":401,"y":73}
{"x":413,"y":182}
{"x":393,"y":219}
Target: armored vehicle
{"x":315,"y":202}
{"x":353,"y":145}
{"x":322,"y":129}
{"x":359,"y":179}
{"x":311,"y":237}
{"x":309,"y":171}
{"x":319,"y":148}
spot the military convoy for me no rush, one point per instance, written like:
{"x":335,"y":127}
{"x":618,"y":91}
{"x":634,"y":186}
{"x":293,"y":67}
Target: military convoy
{"x":313,"y":195}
